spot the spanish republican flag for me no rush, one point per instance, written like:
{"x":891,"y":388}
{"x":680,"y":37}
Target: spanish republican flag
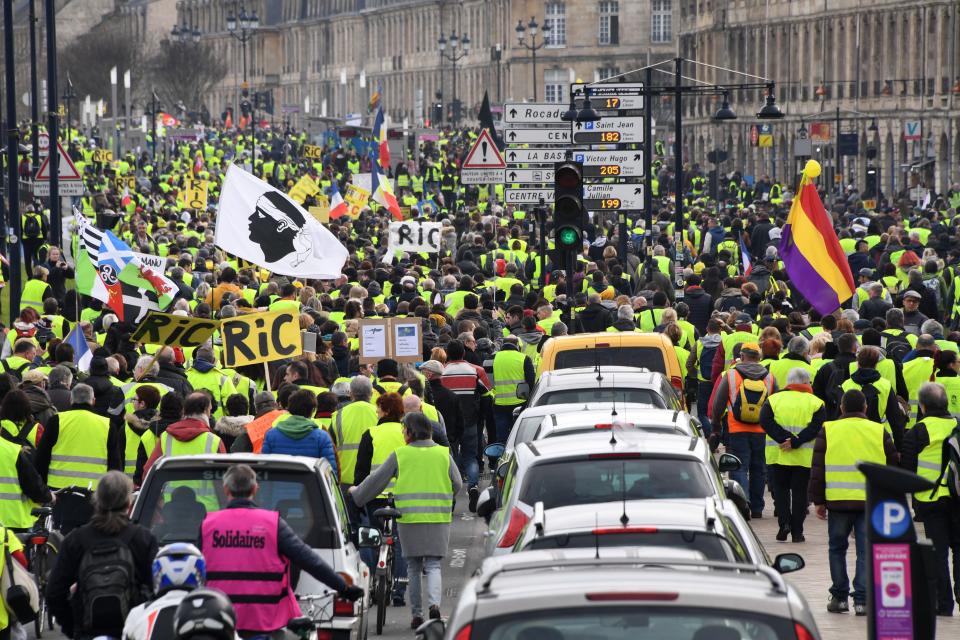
{"x":380,"y":135}
{"x":383,"y":193}
{"x":810,"y":250}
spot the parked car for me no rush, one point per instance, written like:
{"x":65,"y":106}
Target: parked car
{"x":608,"y":384}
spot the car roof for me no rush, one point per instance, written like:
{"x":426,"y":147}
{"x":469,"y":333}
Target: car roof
{"x":610,"y":376}
{"x":572,"y":407}
{"x":625,"y":442}
{"x":674,"y":513}
{"x":255,"y":460}
{"x":647,"y":417}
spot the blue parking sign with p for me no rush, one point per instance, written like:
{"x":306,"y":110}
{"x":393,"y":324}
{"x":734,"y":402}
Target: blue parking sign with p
{"x":891,"y":519}
{"x":578,"y":157}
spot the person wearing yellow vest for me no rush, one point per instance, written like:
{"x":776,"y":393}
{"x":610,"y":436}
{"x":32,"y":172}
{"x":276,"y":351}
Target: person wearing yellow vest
{"x":917,"y":370}
{"x":350,"y":422}
{"x":513,"y":377}
{"x":948,"y":374}
{"x":740,"y":394}
{"x":138,"y":439}
{"x":426,"y":478}
{"x":725,"y":355}
{"x":204,"y":374}
{"x":923,"y":454}
{"x":21,"y":487}
{"x":287,"y":301}
{"x":78,"y":446}
{"x":791,"y":418}
{"x":189,"y":436}
{"x":882,"y":404}
{"x":839,"y":492}
{"x":415,"y":404}
{"x":36,"y":290}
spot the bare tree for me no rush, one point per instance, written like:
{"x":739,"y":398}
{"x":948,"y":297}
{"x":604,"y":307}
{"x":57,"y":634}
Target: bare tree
{"x":90,"y":57}
{"x":183,"y":72}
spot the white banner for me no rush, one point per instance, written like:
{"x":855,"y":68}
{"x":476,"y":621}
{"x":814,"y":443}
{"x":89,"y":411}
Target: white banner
{"x":415,"y":237}
{"x":157,"y":263}
{"x":266,"y":227}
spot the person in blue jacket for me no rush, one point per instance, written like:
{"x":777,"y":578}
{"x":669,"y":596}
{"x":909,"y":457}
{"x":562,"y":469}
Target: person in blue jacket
{"x":298,"y":434}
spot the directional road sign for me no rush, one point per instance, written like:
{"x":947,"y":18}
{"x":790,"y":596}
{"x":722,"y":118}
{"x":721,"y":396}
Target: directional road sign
{"x":606,"y":197}
{"x":621,"y":96}
{"x":537,"y":136}
{"x":528,"y":196}
{"x":533,"y":113}
{"x":622,"y":130}
{"x":610,"y":164}
{"x":528,"y":176}
{"x":535,"y":156}
{"x":481,"y":176}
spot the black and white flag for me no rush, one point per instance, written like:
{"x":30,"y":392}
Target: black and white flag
{"x":265,"y":226}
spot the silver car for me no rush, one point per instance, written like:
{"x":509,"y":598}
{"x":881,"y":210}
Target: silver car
{"x":619,"y":594}
{"x":594,"y":468}
{"x":614,"y":385}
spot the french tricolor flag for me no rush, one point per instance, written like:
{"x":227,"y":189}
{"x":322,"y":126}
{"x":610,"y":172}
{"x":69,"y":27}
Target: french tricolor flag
{"x":337,"y":206}
{"x":380,"y":135}
{"x":745,"y":259}
{"x":82,"y":355}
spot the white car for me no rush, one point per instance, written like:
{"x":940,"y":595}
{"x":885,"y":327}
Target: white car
{"x":307,"y":495}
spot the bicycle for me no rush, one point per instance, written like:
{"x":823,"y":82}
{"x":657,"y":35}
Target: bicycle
{"x":385,"y":571}
{"x":41,"y":544}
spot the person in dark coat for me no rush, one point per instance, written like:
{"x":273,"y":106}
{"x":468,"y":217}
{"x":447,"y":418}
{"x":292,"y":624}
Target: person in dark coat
{"x":595,"y":317}
{"x":442,"y":398}
{"x":699,"y":302}
{"x":172,"y":374}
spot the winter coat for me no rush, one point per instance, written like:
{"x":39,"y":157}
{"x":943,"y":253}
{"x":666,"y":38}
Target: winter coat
{"x":730,"y":299}
{"x":229,"y":427}
{"x":595,"y":317}
{"x":40,"y":405}
{"x":176,"y":378}
{"x":294,"y":436}
{"x":59,"y":398}
{"x":701,"y":306}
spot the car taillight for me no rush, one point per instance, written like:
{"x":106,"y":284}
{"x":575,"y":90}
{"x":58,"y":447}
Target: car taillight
{"x":607,"y":531}
{"x":518,"y":520}
{"x":342,"y":607}
{"x":38,"y":540}
{"x":464,"y":633}
{"x":613,"y":456}
{"x":802,"y":632}
{"x":613,"y":596}
{"x":677,"y":382}
{"x":324,"y":634}
{"x":609,"y":425}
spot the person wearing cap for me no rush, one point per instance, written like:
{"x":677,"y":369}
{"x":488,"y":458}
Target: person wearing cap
{"x":912,"y":317}
{"x":735,"y":398}
{"x":35,"y":386}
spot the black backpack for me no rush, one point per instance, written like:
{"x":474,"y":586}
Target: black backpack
{"x":896,"y":347}
{"x":16,"y":372}
{"x":31,"y":226}
{"x":106,"y":583}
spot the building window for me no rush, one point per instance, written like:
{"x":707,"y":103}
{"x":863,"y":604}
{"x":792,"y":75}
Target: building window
{"x":555,"y":85}
{"x":661,"y":21}
{"x":607,"y":72}
{"x":556,"y":18}
{"x":609,"y":22}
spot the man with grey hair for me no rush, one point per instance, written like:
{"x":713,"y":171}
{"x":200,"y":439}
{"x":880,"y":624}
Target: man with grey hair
{"x":271,"y":543}
{"x":877,"y":305}
{"x":58,"y":387}
{"x":144,"y":372}
{"x":78,"y":446}
{"x":624,"y":321}
{"x":795,"y":356}
{"x":922,"y":453}
{"x":791,"y":419}
{"x":349,"y":423}
{"x":558,"y":329}
{"x":172,"y":374}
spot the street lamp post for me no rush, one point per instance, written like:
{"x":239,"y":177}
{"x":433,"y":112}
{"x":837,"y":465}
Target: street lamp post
{"x":243,"y":27}
{"x":68,"y":97}
{"x":154,"y":106}
{"x":839,"y":115}
{"x":116,"y":116}
{"x":34,"y":102}
{"x":126,"y":99}
{"x":454,"y":57}
{"x":532,"y":28}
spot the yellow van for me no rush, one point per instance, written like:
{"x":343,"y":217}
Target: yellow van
{"x":653,"y":351}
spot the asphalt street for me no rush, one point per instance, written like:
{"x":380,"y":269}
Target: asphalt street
{"x":466,"y":550}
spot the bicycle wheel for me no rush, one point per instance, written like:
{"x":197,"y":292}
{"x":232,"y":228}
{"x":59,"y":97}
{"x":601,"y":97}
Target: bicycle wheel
{"x":40,"y":575}
{"x":384,"y":589}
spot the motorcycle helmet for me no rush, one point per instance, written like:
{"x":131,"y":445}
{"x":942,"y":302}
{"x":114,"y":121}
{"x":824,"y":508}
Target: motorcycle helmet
{"x":178,"y":566}
{"x":207,"y":614}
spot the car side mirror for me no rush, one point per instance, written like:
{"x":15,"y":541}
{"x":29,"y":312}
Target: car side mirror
{"x":728,"y":462}
{"x":737,"y":495}
{"x":788,"y":562}
{"x":368,"y":538}
{"x":494,"y":450}
{"x":431,"y":630}
{"x":517,"y":412}
{"x":523,"y":390}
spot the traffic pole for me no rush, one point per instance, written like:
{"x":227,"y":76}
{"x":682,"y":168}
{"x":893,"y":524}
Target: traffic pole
{"x":11,"y":229}
{"x":53,"y":127}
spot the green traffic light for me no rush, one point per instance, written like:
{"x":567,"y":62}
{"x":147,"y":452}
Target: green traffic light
{"x":569,"y":237}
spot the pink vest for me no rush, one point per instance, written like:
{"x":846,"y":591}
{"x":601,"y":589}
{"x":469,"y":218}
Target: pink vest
{"x":240,"y":548}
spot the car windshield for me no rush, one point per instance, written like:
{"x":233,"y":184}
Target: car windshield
{"x":632,"y":622}
{"x":712,"y":546}
{"x":648,"y":357}
{"x":174,"y":503}
{"x":588,"y":481}
{"x":602,"y":394}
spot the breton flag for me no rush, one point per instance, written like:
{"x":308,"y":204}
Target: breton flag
{"x":82,"y":355}
{"x":267,"y":227}
{"x":810,"y":251}
{"x":380,"y":135}
{"x":383,"y":193}
{"x":337,"y":205}
{"x":745,"y":258}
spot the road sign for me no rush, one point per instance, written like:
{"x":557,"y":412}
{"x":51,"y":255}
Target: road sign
{"x":537,"y":136}
{"x":533,"y":113}
{"x":66,"y":188}
{"x":528,"y":196}
{"x":624,"y":130}
{"x":43,"y":143}
{"x":610,"y":164}
{"x":484,"y":154}
{"x":528,"y":176}
{"x":912,"y":130}
{"x":535,"y":156}
{"x":181,"y":134}
{"x":481,"y":176}
{"x":620,"y":96}
{"x":606,"y":197}
{"x":66,"y":170}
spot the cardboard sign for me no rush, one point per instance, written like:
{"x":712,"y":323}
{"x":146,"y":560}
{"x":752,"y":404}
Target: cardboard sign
{"x":125,"y":182}
{"x":260,"y":337}
{"x":356,"y":198}
{"x":374,"y":340}
{"x":312,"y":151}
{"x":398,"y":338}
{"x":174,"y":331}
{"x":322,"y":214}
{"x":304,"y":188}
{"x":194,"y":194}
{"x":102,"y":156}
{"x":415,"y":237}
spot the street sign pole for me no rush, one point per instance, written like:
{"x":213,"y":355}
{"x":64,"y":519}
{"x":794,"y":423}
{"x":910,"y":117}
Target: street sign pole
{"x":53,"y":125}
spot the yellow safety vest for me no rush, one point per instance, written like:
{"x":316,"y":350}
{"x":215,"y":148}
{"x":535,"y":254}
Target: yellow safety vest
{"x":507,"y":376}
{"x":793,"y":410}
{"x":883,"y":392}
{"x":915,"y":373}
{"x":33,"y":295}
{"x":930,"y":460}
{"x":952,"y":386}
{"x":780,"y":369}
{"x":350,"y":422}
{"x":424,"y":494}
{"x":849,"y":441}
{"x":386,"y":438}
{"x":79,"y":457}
{"x":14,"y":506}
{"x":731,"y":340}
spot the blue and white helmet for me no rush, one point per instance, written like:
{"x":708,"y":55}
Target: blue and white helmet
{"x":178,"y":566}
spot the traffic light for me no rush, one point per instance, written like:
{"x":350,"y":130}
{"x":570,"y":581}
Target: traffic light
{"x":437,"y":113}
{"x":568,"y":211}
{"x":870,"y":184}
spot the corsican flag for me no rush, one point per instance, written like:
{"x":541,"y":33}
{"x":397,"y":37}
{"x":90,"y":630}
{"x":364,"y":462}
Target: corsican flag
{"x":266,"y":227}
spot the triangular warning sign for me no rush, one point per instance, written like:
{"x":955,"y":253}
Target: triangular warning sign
{"x":484,"y":154}
{"x":66,"y":169}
